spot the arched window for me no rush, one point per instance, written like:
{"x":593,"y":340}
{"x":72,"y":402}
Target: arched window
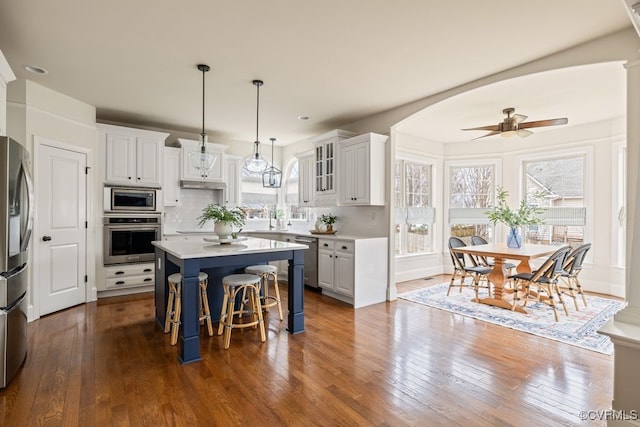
{"x":295,"y":212}
{"x":257,"y":201}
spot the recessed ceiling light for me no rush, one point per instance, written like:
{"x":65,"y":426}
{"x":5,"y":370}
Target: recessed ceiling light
{"x":35,"y":70}
{"x":303,"y":117}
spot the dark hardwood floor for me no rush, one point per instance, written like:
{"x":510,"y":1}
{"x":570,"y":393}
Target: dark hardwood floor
{"x":391,"y":364}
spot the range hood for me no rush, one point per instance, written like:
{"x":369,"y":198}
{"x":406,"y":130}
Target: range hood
{"x":203,"y":185}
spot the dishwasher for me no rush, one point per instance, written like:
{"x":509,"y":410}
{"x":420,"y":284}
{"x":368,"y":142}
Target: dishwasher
{"x":310,"y":260}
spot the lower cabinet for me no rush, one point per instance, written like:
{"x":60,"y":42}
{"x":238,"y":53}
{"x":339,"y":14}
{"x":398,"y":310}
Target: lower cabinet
{"x":128,"y":276}
{"x":353,"y":271}
{"x":335,"y":266}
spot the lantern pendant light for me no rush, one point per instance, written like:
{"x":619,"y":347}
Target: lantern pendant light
{"x":255,"y":164}
{"x":272,"y":176}
{"x":201,"y":160}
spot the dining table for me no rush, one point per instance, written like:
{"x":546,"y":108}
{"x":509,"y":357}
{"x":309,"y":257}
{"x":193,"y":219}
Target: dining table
{"x":498,"y":275}
{"x":218,"y":259}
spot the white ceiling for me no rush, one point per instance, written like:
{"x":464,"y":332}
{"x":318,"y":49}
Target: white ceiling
{"x":335,"y":61}
{"x":582,"y":94}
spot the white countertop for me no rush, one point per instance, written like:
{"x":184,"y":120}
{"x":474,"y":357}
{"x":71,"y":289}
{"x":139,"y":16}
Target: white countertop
{"x":186,"y":249}
{"x":339,"y":234}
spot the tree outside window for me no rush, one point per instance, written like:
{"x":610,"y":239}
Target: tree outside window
{"x":471,"y":190}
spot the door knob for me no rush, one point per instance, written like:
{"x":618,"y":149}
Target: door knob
{"x":46,"y":238}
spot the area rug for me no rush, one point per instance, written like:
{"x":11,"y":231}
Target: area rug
{"x":578,"y":329}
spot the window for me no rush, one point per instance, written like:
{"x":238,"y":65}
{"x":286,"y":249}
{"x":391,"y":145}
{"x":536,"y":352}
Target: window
{"x":557,"y":186}
{"x":257,"y":201}
{"x":294,"y":211}
{"x":471,"y":190}
{"x":415,"y":213}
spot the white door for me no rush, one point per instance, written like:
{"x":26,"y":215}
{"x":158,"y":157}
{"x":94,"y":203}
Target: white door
{"x":61,"y":184}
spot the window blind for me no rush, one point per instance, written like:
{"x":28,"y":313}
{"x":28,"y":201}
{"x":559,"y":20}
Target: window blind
{"x":565,"y":216}
{"x":468,"y":216}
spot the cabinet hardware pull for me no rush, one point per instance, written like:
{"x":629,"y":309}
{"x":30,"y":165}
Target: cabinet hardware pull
{"x":119,"y":272}
{"x":120,"y":282}
{"x":344,"y":247}
{"x":129,"y":177}
{"x":148,"y":279}
{"x":325,"y":245}
{"x":147,"y":270}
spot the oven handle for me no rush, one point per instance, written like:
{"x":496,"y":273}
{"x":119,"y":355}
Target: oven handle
{"x":132,"y":227}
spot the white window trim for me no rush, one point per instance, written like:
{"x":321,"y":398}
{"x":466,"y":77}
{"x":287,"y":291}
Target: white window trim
{"x":434,"y":162}
{"x":619,"y":190}
{"x":587,"y":152}
{"x":496,"y":162}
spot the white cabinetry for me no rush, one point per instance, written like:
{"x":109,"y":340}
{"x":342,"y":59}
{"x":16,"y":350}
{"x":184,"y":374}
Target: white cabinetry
{"x":128,"y":276}
{"x":189,"y":173}
{"x":353,"y":271}
{"x":232,"y":179}
{"x":133,"y":156}
{"x":306,"y":179}
{"x":6,"y":76}
{"x":362,"y":170}
{"x":171,"y":176}
{"x":335,"y":266}
{"x":325,"y":166}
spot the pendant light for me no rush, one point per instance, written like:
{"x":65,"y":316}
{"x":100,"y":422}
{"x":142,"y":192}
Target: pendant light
{"x":201,"y":160}
{"x":255,"y":164}
{"x":272,"y":176}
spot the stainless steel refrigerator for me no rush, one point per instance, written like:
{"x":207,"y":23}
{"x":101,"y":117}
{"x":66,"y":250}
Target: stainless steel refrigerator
{"x":16,"y":213}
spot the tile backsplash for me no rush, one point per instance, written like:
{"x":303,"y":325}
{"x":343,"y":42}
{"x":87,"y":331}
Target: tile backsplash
{"x":361,"y":220}
{"x":185,"y":216}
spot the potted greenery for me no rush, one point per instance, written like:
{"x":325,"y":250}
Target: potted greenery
{"x":514,"y":219}
{"x":328,"y":220}
{"x":224,"y":219}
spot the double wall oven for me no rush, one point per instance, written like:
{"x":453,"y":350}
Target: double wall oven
{"x":131,"y":222}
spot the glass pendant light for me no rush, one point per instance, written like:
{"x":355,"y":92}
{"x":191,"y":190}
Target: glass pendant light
{"x":255,"y":164}
{"x":272,"y":176}
{"x":201,"y":160}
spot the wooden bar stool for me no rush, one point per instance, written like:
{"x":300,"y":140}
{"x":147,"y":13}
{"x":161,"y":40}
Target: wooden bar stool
{"x":174,"y":305}
{"x":267,"y":272}
{"x":247,"y":286}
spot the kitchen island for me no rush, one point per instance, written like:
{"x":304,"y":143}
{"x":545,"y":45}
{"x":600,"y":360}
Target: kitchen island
{"x":189,"y":257}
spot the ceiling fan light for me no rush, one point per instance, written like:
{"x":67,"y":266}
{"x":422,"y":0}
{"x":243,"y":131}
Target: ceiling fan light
{"x":508,"y":133}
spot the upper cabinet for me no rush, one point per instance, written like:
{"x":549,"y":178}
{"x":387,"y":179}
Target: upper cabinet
{"x":134,"y":157}
{"x":171,"y":176}
{"x":362,"y":170}
{"x":306,"y":178}
{"x":325,"y":166}
{"x":189,"y":173}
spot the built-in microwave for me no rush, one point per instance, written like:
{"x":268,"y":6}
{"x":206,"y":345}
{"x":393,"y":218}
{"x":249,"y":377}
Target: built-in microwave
{"x":127,"y":199}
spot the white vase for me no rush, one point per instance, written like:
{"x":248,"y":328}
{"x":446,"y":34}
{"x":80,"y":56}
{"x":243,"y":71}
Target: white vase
{"x":223,"y":230}
{"x":318,"y":224}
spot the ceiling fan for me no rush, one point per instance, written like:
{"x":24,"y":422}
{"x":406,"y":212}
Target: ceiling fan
{"x":516,"y":125}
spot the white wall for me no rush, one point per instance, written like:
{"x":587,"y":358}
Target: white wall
{"x":34,"y":110}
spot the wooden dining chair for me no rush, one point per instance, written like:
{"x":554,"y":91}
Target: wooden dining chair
{"x":542,"y":284}
{"x":570,"y":271}
{"x":461,"y":270}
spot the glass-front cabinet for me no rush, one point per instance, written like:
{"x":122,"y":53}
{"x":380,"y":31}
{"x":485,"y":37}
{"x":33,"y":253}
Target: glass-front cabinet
{"x":325,"y":165}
